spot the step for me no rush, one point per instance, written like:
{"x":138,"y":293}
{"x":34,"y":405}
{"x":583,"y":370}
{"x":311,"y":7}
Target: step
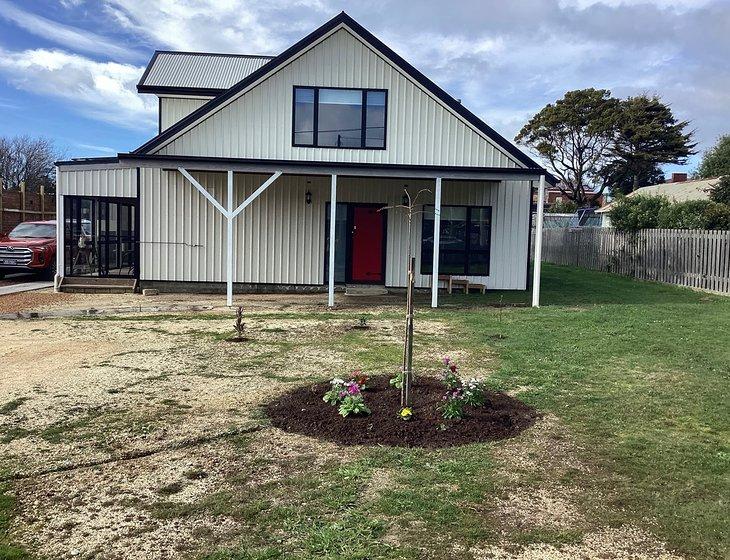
{"x":90,"y":285}
{"x":365,"y":290}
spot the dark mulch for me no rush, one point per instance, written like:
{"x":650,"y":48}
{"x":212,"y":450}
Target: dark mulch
{"x":303,"y":411}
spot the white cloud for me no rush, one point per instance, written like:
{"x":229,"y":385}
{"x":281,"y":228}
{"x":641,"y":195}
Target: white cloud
{"x":105,"y":91}
{"x":679,"y":5}
{"x":256,"y":26}
{"x":66,"y":35}
{"x":99,"y":149}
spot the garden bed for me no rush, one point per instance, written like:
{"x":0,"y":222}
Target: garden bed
{"x":302,"y":411}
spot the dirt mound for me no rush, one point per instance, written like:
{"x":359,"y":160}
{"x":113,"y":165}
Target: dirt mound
{"x":302,"y":411}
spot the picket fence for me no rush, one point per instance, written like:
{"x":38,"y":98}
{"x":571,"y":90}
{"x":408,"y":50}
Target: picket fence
{"x":693,"y":258}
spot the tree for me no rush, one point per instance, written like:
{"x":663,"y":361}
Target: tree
{"x":632,"y":213}
{"x":720,"y":191}
{"x":620,"y":180}
{"x":647,"y":135}
{"x":27,"y":160}
{"x":716,"y":161}
{"x":575,"y":136}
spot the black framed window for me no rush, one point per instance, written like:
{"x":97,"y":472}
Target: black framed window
{"x":339,"y":117}
{"x":464,"y":243}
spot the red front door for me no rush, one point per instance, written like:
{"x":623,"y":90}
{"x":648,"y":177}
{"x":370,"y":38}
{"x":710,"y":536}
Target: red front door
{"x":368,"y":228}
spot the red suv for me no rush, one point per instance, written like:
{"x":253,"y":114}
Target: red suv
{"x":29,"y":247}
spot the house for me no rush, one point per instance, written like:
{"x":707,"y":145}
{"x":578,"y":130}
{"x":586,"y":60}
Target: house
{"x":676,"y":189}
{"x":553,"y":195}
{"x":272,"y":173}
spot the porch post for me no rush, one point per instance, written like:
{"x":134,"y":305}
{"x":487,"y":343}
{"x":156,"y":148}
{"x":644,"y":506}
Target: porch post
{"x":229,"y":244}
{"x":436,"y":242}
{"x":537,"y":264}
{"x":60,"y":234}
{"x":333,"y":217}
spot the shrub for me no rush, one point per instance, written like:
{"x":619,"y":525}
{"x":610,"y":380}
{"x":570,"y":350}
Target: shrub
{"x":633,"y":213}
{"x":720,"y":191}
{"x":695,"y":214}
{"x":562,"y":207}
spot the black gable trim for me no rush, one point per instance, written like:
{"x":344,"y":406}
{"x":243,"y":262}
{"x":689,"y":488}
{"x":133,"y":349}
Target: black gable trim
{"x":406,"y":67}
{"x":147,"y":70}
{"x":172,"y":90}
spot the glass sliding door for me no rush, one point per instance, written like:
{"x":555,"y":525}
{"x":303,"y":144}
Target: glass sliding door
{"x":100,"y":236}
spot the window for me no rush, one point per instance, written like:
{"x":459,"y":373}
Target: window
{"x":339,"y":118}
{"x":464,"y":243}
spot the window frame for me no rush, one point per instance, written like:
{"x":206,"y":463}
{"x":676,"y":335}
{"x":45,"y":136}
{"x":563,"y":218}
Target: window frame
{"x":363,"y":125}
{"x":427,"y":264}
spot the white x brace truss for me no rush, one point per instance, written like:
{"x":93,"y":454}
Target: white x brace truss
{"x":230,"y":214}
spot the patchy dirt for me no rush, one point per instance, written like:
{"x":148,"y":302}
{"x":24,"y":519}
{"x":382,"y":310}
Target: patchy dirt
{"x":623,"y":543}
{"x":302,"y":411}
{"x":37,"y":299}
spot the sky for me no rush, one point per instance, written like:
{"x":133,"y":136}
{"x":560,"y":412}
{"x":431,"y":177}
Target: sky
{"x":68,"y":68}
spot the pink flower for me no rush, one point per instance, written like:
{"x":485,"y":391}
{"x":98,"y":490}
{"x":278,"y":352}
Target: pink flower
{"x":353,"y":388}
{"x":452,"y":367}
{"x":447,"y":360}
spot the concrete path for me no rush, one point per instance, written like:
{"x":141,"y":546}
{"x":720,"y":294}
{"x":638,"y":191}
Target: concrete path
{"x":25,"y":287}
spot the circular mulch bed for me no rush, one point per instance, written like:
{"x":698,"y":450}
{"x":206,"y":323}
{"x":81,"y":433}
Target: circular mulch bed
{"x":303,"y":411}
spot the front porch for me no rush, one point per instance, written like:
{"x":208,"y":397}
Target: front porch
{"x":262,"y":226}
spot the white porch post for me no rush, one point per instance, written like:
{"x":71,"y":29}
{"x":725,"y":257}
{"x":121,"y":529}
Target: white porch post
{"x":436,"y":242}
{"x":229,"y":214}
{"x":333,"y":217}
{"x":60,"y":233}
{"x":538,"y":244}
{"x":229,"y":244}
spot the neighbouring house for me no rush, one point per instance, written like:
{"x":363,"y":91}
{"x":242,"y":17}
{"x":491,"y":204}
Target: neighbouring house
{"x":676,"y":189}
{"x":272,"y":173}
{"x":553,"y":194}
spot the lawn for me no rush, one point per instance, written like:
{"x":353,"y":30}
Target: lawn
{"x":632,"y":452}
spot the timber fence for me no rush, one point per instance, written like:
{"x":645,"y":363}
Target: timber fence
{"x":19,"y":205}
{"x":693,"y":258}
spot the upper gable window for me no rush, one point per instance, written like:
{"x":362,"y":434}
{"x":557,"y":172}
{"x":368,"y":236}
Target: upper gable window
{"x":339,"y":117}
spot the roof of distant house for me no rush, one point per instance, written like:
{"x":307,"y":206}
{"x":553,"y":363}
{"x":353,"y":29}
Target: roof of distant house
{"x":676,"y":192}
{"x":197,"y":73}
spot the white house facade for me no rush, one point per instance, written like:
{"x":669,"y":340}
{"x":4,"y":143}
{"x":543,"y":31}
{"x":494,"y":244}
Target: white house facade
{"x":288,"y":171}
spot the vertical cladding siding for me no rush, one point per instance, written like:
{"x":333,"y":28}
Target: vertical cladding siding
{"x":173,"y":109}
{"x":112,"y":181}
{"x":279,"y":239}
{"x":420,"y":129}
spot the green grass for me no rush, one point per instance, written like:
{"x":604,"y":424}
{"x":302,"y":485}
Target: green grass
{"x":13,"y":405}
{"x":637,"y":374}
{"x":640,"y":373}
{"x":7,"y":550}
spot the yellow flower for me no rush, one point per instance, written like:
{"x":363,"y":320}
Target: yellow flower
{"x":406,"y":413}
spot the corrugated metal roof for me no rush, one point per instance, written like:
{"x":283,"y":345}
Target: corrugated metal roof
{"x":676,"y":192}
{"x":169,"y":69}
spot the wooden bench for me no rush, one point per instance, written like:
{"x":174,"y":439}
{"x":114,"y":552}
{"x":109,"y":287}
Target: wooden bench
{"x":460,"y":283}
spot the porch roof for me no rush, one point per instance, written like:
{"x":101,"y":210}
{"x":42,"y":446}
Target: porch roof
{"x":323,"y":168}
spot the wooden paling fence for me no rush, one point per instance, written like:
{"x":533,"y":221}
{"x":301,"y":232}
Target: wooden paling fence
{"x":18,"y":206}
{"x":693,"y":258}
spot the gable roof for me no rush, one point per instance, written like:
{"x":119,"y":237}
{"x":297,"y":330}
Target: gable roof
{"x":197,"y":73}
{"x":344,"y":19}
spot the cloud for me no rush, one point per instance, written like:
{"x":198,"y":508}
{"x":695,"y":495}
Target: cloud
{"x":99,"y":149}
{"x":104,"y":91}
{"x":71,"y":37}
{"x":255,"y":26}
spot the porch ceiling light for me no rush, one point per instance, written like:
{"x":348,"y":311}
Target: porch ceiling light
{"x":308,"y":197}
